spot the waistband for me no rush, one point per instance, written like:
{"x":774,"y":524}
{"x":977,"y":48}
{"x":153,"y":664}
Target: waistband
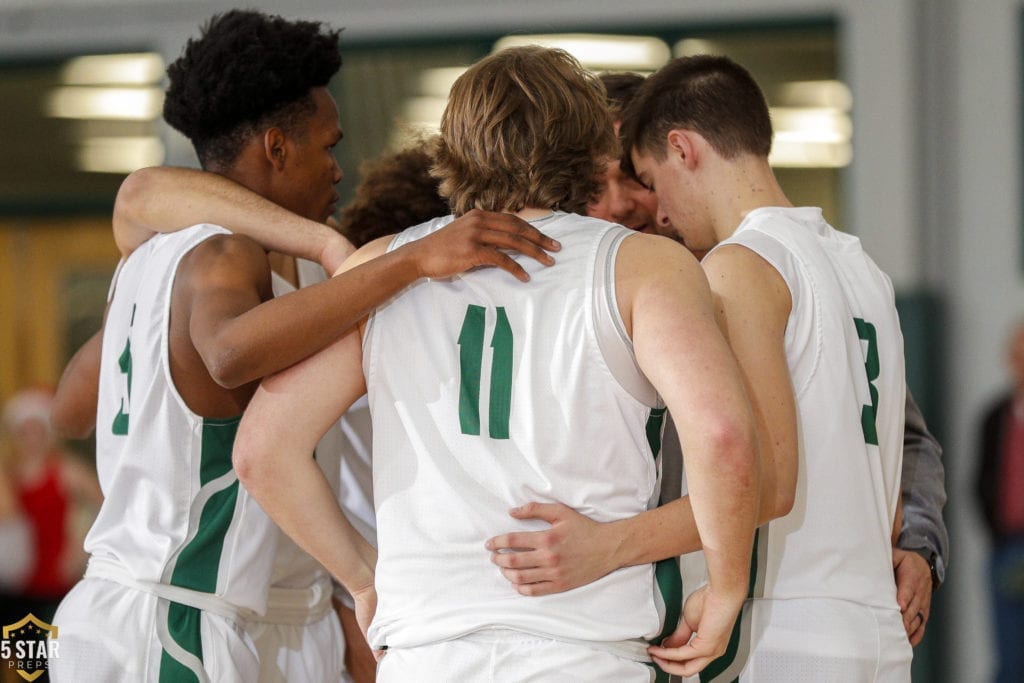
{"x":635,"y":650}
{"x":111,"y":570}
{"x":287,"y":606}
{"x":297,"y":606}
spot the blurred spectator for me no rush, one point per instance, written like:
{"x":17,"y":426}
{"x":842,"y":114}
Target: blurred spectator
{"x":1000,"y":489}
{"x":56,"y":496}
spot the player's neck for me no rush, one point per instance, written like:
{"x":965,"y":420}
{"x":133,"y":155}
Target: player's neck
{"x":750,"y":185}
{"x":532,"y":213}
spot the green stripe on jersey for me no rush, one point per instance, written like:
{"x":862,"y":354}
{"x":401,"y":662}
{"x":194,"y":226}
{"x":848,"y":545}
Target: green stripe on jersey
{"x":197,"y":564}
{"x":184,"y":626}
{"x":655,"y":423}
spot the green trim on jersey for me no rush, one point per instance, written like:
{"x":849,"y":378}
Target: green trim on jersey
{"x":666,"y":572}
{"x":183,"y":623}
{"x":659,"y":675}
{"x":197,"y":564}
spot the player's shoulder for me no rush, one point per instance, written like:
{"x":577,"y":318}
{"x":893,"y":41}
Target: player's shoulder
{"x":654,"y":252}
{"x":225,"y":253}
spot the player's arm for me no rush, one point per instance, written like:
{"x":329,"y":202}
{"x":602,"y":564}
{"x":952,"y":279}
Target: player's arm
{"x":681,"y":349}
{"x":923,"y":532}
{"x":164,"y":199}
{"x":286,"y":418}
{"x":167,"y":199}
{"x":577,"y":550}
{"x":73,"y":413}
{"x":252,"y":341}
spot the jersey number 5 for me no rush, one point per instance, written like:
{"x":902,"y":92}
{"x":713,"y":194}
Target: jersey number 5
{"x":471,"y":354}
{"x":124,"y":362}
{"x":866,"y":331}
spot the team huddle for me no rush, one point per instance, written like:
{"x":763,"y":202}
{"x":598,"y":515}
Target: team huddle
{"x":520,"y":358}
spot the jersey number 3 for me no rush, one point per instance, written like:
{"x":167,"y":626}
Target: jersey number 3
{"x":471,"y":354}
{"x":866,"y":331}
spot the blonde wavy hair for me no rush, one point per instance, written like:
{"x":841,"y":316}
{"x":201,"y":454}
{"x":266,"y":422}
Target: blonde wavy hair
{"x":527,"y":126}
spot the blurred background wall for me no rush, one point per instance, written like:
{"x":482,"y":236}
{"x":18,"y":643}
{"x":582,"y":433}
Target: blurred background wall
{"x":910,"y":139}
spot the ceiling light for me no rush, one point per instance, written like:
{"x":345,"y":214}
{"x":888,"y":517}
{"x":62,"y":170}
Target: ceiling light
{"x":129,"y":104}
{"x":600,"y":51}
{"x":142,"y":68}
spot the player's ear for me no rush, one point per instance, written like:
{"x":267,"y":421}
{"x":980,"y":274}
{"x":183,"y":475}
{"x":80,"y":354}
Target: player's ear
{"x":274,"y":147}
{"x":682,"y":145}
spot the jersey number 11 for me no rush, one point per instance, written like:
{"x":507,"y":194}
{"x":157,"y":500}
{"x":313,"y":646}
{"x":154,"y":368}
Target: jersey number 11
{"x":471,"y":353}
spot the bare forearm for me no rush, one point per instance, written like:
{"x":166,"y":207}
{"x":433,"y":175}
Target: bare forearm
{"x":667,"y":531}
{"x":293,"y":492}
{"x":165,"y":199}
{"x":281,"y":332}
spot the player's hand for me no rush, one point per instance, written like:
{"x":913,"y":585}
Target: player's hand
{"x":477,"y":238}
{"x":366,"y":606}
{"x":575,"y":551}
{"x":913,"y":591}
{"x":702,"y":635}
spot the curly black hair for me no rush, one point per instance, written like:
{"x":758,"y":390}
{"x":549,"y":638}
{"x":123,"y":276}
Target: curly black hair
{"x":245,"y":69}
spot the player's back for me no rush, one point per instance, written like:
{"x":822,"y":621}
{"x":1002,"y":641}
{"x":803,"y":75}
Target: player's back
{"x":487,"y":394}
{"x":845,"y":354}
{"x":174,"y":513}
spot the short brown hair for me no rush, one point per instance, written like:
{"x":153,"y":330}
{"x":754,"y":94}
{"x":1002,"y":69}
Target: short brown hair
{"x":711,"y":95}
{"x":621,"y":88}
{"x":395,"y":191}
{"x":527,"y":126}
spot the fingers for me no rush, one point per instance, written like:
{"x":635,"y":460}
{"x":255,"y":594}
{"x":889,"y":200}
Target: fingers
{"x":507,"y":263}
{"x":549,"y":512}
{"x":911,"y":614}
{"x":517,"y":560}
{"x":514,"y":226}
{"x":918,"y":633}
{"x":684,"y":661}
{"x":685,"y":669}
{"x":517,"y":242}
{"x":517,"y":541}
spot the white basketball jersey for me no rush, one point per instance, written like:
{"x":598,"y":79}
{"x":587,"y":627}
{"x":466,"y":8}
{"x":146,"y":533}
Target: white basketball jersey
{"x":173,"y":511}
{"x":487,"y":393}
{"x":844,"y":349}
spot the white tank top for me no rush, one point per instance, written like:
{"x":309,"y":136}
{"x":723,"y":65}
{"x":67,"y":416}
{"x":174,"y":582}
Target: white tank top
{"x":487,"y":393}
{"x":173,"y":511}
{"x":844,"y":349}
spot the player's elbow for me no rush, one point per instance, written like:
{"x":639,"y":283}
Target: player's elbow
{"x":250,"y":459}
{"x":226,"y":361}
{"x":784,"y":499}
{"x":734,"y":440}
{"x":777,"y":499}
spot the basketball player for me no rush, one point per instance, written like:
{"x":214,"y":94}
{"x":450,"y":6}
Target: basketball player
{"x":179,"y":548}
{"x":813,"y":324}
{"x":574,"y":551}
{"x":484,"y":396}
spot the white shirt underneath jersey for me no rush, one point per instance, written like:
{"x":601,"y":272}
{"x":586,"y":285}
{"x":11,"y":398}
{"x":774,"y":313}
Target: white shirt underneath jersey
{"x":487,"y":393}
